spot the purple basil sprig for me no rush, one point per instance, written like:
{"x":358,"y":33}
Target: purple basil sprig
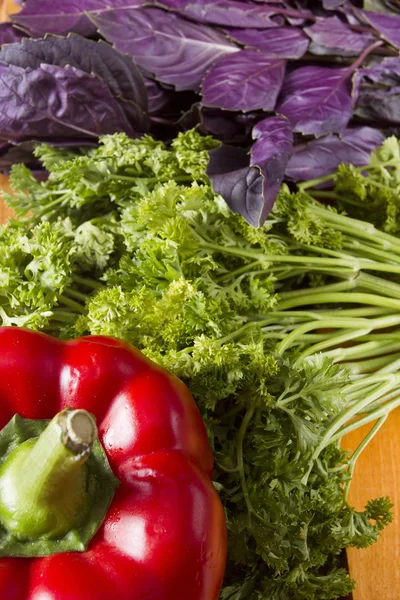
{"x":250,"y":184}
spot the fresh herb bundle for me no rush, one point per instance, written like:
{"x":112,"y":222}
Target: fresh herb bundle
{"x":287,"y":335}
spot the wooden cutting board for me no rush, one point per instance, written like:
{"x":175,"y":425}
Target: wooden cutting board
{"x":376,"y":569}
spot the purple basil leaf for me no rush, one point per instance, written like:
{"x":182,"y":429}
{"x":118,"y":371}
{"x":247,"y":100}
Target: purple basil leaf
{"x":229,"y":13}
{"x":322,"y":157}
{"x":158,"y":97}
{"x":238,"y":183}
{"x":388,"y":26}
{"x":338,"y":38}
{"x":57,"y":16}
{"x":22,"y":152}
{"x":296,"y":15}
{"x":303,"y":14}
{"x":62,"y":17}
{"x":9,"y":34}
{"x":317,"y":100}
{"x":51,"y":101}
{"x":229,"y":127}
{"x":173,"y":50}
{"x":379,"y":105}
{"x":386,"y":6}
{"x":116,"y":70}
{"x":386,"y":71}
{"x":332,"y":4}
{"x":250,"y":187}
{"x":285,"y":42}
{"x":246,"y":80}
{"x":377,"y":89}
{"x":11,"y":154}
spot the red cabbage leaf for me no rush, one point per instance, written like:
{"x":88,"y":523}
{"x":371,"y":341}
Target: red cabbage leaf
{"x":247,"y":80}
{"x":250,"y":187}
{"x":173,"y":50}
{"x":285,"y":42}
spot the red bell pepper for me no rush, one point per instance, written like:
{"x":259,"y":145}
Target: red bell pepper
{"x":164,"y":534}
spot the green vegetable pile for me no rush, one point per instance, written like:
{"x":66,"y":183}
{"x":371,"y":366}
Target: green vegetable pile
{"x":287,"y":335}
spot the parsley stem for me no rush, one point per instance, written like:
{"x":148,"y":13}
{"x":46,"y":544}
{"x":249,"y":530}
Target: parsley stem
{"x":367,"y":349}
{"x":338,"y":323}
{"x":352,"y":263}
{"x":305,"y":185}
{"x":149,"y":179}
{"x":357,"y":452}
{"x":368,"y":251}
{"x":340,"y":286}
{"x":384,"y":384}
{"x":283,"y":401}
{"x":373,"y":365}
{"x":43,"y":210}
{"x":239,"y":271}
{"x":324,"y":195}
{"x":285,"y":258}
{"x":347,"y":336}
{"x":62,"y":315}
{"x":338,"y":297}
{"x":363,"y":311}
{"x":221,"y":467}
{"x":76,"y":294}
{"x":240,"y":461}
{"x":379,"y":285}
{"x":87,"y":281}
{"x":71,"y":304}
{"x":355,"y":227}
{"x":237,"y":333}
{"x":392,"y":367}
{"x":385,"y":409}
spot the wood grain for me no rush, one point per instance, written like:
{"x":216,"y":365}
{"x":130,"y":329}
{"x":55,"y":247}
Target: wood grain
{"x":4,"y":211}
{"x":8,"y":7}
{"x":377,"y":569}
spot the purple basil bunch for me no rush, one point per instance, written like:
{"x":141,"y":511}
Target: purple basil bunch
{"x":291,"y":88}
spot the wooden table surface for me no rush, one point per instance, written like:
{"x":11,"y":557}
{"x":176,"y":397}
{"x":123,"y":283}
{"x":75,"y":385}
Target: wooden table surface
{"x":375,"y":569}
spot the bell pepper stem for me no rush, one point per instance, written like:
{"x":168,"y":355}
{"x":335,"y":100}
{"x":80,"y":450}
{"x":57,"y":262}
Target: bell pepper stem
{"x":43,"y":483}
{"x":59,"y":452}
